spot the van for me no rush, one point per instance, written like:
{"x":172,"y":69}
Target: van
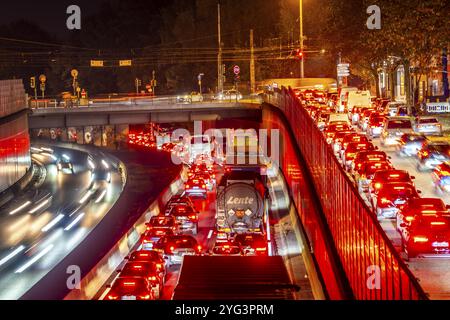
{"x":338,"y":117}
{"x":359,"y":98}
{"x":342,"y":98}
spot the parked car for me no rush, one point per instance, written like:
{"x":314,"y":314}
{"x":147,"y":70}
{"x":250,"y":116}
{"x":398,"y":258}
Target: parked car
{"x":428,"y":125}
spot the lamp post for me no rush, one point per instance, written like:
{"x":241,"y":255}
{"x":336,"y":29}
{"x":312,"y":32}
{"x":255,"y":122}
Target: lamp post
{"x":302,"y":66}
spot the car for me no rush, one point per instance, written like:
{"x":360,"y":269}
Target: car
{"x":351,"y":151}
{"x":175,"y":247}
{"x":149,"y":256}
{"x":347,"y":139}
{"x":410,"y":144}
{"x":368,"y":156}
{"x":200,"y":168}
{"x":131,"y":288}
{"x":226,"y":249}
{"x":375,"y":126}
{"x":207,"y":178}
{"x":186,"y":218}
{"x":150,"y":237}
{"x":229,"y":95}
{"x":146,"y":270}
{"x":392,"y":195}
{"x":322,"y":119}
{"x":341,"y":117}
{"x":64,"y":164}
{"x":189,"y":98}
{"x":178,"y":199}
{"x":364,"y":119}
{"x":161,"y":222}
{"x":441,"y":177}
{"x":196,"y":188}
{"x":432,"y":154}
{"x":382,"y":178}
{"x":252,"y":244}
{"x":365,"y":173}
{"x":337,"y":140}
{"x":101,"y":178}
{"x":428,"y":125}
{"x":424,"y":226}
{"x":393,"y":108}
{"x":331,"y":130}
{"x":393,"y":129}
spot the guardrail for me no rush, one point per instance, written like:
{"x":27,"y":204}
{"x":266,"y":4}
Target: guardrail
{"x":372,"y":265}
{"x":133,"y":101}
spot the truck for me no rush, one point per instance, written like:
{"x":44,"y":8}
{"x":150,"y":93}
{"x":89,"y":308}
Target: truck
{"x":241,"y":204}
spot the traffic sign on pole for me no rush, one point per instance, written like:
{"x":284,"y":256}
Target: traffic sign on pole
{"x":74,"y":73}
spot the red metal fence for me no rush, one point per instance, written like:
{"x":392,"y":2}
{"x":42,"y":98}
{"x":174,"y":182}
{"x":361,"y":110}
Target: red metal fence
{"x":373,"y":266}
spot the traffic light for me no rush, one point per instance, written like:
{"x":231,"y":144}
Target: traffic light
{"x":299,"y":54}
{"x":33,"y":82}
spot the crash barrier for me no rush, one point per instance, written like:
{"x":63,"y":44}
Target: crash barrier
{"x":97,"y":277}
{"x":12,"y":97}
{"x":372,"y":265}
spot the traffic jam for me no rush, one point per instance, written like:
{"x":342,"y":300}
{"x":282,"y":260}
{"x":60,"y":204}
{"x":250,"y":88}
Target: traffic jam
{"x":219,"y":212}
{"x":373,"y":139}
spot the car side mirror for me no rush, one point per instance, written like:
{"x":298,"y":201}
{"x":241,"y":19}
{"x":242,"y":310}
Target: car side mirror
{"x":447,"y":207}
{"x":108,"y":286}
{"x":419,"y":191}
{"x":376,"y":148}
{"x":166,"y":258}
{"x":118,"y":271}
{"x":413,"y":177}
{"x":127,"y":258}
{"x":403,"y":225}
{"x":389,"y":157}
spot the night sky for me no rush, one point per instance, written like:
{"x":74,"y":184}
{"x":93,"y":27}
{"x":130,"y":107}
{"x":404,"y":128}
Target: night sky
{"x":48,"y":14}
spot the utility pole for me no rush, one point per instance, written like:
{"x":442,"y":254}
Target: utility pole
{"x":302,"y":66}
{"x":252,"y":64}
{"x":219,"y":56}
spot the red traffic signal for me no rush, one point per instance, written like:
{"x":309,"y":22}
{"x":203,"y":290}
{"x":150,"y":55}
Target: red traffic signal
{"x":299,"y":54}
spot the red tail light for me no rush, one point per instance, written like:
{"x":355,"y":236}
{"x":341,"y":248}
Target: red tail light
{"x":171,"y":248}
{"x":112,"y":297}
{"x":420,"y":239}
{"x":187,"y":186}
{"x":199,"y":248}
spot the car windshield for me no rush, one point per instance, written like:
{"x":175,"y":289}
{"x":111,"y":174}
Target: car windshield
{"x":183,"y":242}
{"x":399,"y":124}
{"x":398,"y":190}
{"x":390,"y":176}
{"x":161,"y":221}
{"x":428,"y":120}
{"x":413,"y":138}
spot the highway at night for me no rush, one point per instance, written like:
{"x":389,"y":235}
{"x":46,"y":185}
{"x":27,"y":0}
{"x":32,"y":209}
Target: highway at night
{"x":40,"y":227}
{"x":223,"y":158}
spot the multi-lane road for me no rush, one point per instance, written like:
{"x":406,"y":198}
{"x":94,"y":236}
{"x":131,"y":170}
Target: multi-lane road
{"x":280,"y":241}
{"x":48,"y":220}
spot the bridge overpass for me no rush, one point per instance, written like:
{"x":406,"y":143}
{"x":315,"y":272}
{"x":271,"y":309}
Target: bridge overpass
{"x":162,"y":110}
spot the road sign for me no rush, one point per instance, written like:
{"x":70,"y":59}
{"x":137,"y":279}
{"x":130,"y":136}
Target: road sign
{"x":33,"y":82}
{"x":124,"y":63}
{"x":96,"y":63}
{"x":74,"y":73}
{"x":42,"y":78}
{"x":236,"y":70}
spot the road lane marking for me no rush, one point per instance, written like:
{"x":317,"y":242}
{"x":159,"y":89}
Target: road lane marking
{"x":35,"y":259}
{"x":26,"y":204}
{"x":210,"y":233}
{"x":74,"y":222}
{"x":12,"y":255}
{"x":52,"y":223}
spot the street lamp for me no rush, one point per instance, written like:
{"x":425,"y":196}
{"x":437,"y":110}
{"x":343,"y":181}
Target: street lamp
{"x":302,"y":66}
